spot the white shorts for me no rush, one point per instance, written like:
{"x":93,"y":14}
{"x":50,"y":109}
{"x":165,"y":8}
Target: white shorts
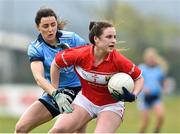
{"x":94,"y":110}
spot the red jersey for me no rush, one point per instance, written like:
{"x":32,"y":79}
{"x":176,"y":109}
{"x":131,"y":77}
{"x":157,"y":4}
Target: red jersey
{"x":94,"y":79}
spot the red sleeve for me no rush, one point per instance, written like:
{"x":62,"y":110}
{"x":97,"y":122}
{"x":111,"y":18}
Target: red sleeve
{"x":66,"y":58}
{"x":127,"y":66}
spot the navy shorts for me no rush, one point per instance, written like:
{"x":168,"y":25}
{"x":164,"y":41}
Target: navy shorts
{"x":151,"y":99}
{"x":51,"y":104}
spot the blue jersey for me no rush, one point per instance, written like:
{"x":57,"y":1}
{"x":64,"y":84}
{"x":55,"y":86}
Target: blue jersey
{"x":38,"y":50}
{"x":153,"y":78}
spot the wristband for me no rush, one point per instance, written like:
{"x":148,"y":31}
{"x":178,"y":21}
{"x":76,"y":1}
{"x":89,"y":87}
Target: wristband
{"x":54,"y":93}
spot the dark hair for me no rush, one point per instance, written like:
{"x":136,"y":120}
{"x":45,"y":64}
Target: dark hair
{"x":46,"y":12}
{"x":96,"y":29}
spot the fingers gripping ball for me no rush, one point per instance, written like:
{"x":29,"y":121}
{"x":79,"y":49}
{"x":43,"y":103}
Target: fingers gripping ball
{"x":117,"y":82}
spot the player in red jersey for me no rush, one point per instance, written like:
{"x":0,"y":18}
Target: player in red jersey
{"x":95,"y":64}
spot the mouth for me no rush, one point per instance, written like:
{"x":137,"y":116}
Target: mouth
{"x":111,"y":46}
{"x":50,"y":35}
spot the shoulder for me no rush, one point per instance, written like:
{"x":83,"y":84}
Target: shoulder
{"x":118,"y":53}
{"x":119,"y":57}
{"x":36,"y":44}
{"x":71,"y":35}
{"x":67,"y":34}
{"x":72,"y":56}
{"x":71,"y":38}
{"x":35,"y":47}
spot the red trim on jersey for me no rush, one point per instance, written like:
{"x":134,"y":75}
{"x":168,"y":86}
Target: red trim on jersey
{"x":94,"y":78}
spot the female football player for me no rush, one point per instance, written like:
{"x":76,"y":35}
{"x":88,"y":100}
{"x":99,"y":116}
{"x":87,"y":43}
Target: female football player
{"x":153,"y":68}
{"x":95,"y":64}
{"x":41,"y":52}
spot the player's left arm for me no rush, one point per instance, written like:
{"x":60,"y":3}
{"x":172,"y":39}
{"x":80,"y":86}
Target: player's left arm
{"x":130,"y":68}
{"x":138,"y":85}
{"x":132,"y":96}
{"x":136,"y":74}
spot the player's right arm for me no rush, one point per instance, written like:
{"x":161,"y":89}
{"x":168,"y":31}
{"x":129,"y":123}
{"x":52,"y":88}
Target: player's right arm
{"x":37,"y":69}
{"x":36,"y":57}
{"x":61,"y":99}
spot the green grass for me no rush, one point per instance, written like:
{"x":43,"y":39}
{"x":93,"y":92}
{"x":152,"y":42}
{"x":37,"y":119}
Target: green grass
{"x":129,"y":125}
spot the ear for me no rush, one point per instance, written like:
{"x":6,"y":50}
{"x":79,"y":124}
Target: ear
{"x":96,"y":39}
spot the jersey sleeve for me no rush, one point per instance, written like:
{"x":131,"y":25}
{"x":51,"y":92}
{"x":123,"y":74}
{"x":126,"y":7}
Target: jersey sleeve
{"x":34,"y":53}
{"x":67,"y":57}
{"x":129,"y":67}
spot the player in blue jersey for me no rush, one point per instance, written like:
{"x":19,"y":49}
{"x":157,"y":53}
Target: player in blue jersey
{"x":154,"y":70}
{"x":41,"y":52}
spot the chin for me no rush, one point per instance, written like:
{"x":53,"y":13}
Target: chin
{"x":51,"y":38}
{"x":110,"y":49}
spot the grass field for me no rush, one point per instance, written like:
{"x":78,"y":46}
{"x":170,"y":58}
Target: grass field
{"x":129,"y":125}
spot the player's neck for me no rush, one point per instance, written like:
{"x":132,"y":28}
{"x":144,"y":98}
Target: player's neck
{"x":99,"y":56}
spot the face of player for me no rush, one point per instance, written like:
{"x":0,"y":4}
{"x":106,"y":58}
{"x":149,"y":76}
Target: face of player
{"x":48,"y":29}
{"x":106,"y":42}
{"x":151,"y":59}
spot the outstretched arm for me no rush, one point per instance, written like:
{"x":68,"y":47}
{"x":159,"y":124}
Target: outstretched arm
{"x":37,"y":69}
{"x":63,"y":100}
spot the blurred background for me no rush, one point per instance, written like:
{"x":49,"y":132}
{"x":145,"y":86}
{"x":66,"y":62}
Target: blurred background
{"x":140,"y":24}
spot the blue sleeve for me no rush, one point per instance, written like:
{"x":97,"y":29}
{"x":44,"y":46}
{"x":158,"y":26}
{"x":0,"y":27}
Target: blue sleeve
{"x":34,"y":53}
{"x":78,"y":40}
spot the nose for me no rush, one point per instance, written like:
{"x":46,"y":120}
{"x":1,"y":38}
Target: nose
{"x":50,"y":28}
{"x":114,"y":40}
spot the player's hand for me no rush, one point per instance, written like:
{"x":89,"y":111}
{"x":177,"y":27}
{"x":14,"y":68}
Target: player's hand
{"x":126,"y":96}
{"x":63,"y":46}
{"x":116,"y":95}
{"x":62,"y":101}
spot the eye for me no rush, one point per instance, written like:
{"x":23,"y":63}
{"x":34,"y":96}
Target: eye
{"x":111,"y":36}
{"x":53,"y":24}
{"x":45,"y":26}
